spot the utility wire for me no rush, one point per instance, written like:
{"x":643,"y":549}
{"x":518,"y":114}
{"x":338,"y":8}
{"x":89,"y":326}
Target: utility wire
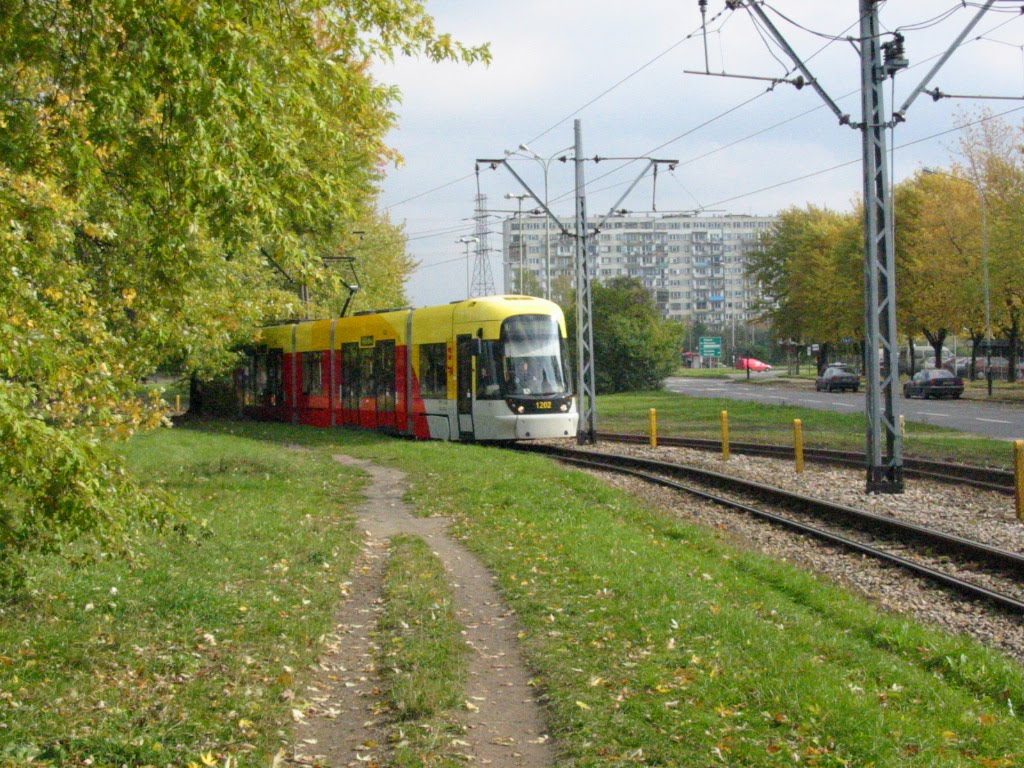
{"x":630,"y":76}
{"x":831,"y":38}
{"x":734,"y":198}
{"x":689,"y":132}
{"x":853,"y":162}
{"x":439,"y":232}
{"x":830,"y":169}
{"x":548,"y":130}
{"x":683,"y":135}
{"x":767,"y":45}
{"x":428,"y":192}
{"x":757,"y":133}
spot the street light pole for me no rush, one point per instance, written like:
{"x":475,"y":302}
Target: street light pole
{"x":545,"y":164}
{"x":466,"y":240}
{"x":988,"y":302}
{"x":519,"y":218}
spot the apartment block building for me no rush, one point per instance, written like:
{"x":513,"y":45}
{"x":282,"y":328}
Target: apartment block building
{"x":694,"y":265}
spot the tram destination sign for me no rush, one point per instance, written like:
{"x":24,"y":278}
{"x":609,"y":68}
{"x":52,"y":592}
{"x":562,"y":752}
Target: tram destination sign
{"x":710,"y":346}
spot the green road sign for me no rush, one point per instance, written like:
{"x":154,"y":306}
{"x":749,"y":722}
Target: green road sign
{"x":710,"y":346}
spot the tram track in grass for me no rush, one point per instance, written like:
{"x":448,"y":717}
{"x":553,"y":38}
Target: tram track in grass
{"x":1003,"y":568}
{"x":983,"y":478}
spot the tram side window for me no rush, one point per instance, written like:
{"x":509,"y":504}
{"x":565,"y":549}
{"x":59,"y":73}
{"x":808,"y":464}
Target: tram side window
{"x":434,"y":370}
{"x":255,"y":378}
{"x":367,"y":382}
{"x":384,"y":366}
{"x":350,"y":375}
{"x":274,"y":391}
{"x":312,"y":373}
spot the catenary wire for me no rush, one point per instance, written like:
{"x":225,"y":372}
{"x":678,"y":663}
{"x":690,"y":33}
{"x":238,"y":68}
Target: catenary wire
{"x":704,"y":124}
{"x":857,"y":160}
{"x":428,"y":192}
{"x":548,"y":130}
{"x":708,"y":122}
{"x":761,"y":33}
{"x":757,"y":133}
{"x":630,"y":76}
{"x":757,"y":96}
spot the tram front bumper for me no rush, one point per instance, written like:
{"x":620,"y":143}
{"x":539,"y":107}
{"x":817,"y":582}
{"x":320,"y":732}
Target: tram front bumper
{"x":536,"y":427}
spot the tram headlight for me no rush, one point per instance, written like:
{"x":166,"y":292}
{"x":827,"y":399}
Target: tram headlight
{"x":520,"y":409}
{"x":563,"y":408}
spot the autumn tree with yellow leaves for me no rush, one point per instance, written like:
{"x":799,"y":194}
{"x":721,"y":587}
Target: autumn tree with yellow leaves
{"x":154,"y":158}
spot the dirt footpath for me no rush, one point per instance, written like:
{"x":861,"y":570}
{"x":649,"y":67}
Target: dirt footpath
{"x":344,"y":724}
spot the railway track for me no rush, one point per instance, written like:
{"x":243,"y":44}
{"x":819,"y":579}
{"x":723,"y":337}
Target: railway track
{"x":983,"y":478}
{"x":809,"y":516}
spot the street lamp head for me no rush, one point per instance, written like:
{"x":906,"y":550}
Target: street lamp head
{"x":468,"y":239}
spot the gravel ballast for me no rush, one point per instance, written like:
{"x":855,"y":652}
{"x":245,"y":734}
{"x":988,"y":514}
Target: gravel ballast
{"x":983,"y":516}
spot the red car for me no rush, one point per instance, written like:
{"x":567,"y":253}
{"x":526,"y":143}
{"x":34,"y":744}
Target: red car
{"x":752,"y":364}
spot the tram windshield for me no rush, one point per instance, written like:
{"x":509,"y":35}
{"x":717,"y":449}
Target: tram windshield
{"x":527,"y":360}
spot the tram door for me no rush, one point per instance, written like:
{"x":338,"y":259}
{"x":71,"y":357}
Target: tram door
{"x":464,"y":385}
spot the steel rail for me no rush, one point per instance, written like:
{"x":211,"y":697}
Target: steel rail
{"x":958,"y":474}
{"x":972,"y":549}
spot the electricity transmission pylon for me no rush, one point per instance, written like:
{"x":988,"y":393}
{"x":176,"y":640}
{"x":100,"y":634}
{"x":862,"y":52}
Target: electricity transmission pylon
{"x":483,"y":280}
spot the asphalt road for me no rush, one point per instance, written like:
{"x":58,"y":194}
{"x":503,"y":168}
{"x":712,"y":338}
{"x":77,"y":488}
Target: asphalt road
{"x":997,"y":420}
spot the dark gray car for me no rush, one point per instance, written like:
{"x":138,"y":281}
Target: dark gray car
{"x":837,"y":378}
{"x":934,"y":382}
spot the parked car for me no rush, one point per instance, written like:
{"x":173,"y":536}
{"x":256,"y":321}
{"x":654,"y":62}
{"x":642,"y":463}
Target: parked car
{"x":960,"y":366}
{"x":1000,"y":368}
{"x":752,"y":364}
{"x":837,"y":377}
{"x":934,"y":382}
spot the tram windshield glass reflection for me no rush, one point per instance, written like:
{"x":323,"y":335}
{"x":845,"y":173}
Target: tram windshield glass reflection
{"x":527,"y":360}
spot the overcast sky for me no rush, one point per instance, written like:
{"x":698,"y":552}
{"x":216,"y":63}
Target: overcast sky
{"x":619,"y":68}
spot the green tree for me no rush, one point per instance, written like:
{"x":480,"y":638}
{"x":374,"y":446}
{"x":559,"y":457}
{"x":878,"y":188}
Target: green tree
{"x":531,"y":284}
{"x":378,"y":268}
{"x":939,"y":239}
{"x":634,"y":348}
{"x":811,"y":277}
{"x":155,"y":157}
{"x":991,"y":158}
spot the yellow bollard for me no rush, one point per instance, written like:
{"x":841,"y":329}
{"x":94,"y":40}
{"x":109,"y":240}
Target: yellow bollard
{"x":1018,"y":474}
{"x":798,"y":443}
{"x":654,"y":427}
{"x":725,"y":435}
{"x":177,"y":403}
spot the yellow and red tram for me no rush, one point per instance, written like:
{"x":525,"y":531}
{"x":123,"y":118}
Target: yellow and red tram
{"x":490,"y":368}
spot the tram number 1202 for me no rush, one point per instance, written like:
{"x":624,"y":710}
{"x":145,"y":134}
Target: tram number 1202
{"x":544,"y":405}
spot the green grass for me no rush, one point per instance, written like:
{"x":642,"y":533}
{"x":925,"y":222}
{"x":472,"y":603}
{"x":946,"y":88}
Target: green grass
{"x":653,"y":642}
{"x":186,"y":650}
{"x":656,"y":643}
{"x":685,"y":416}
{"x":423,"y":657}
{"x":652,"y":635}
